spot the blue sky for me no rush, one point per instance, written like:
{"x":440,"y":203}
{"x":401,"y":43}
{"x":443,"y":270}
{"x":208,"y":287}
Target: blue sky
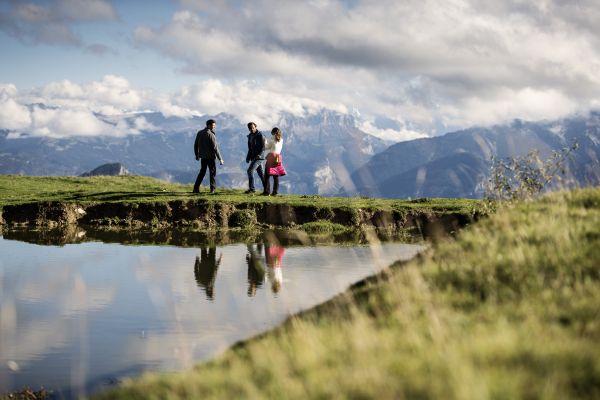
{"x":406,"y":69}
{"x":35,"y":63}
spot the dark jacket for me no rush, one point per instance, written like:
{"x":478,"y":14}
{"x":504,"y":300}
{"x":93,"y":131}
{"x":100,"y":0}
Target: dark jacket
{"x":206,"y":146}
{"x":256,"y":146}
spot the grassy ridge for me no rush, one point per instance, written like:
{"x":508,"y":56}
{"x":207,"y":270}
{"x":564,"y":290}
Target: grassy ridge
{"x":26,"y":189}
{"x":510,"y":309}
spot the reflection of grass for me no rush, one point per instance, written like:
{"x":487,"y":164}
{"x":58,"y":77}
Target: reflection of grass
{"x":322,"y":226}
{"x":508,"y":309}
{"x":131,"y":189}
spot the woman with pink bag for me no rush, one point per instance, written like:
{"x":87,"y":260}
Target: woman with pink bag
{"x":274,"y":166}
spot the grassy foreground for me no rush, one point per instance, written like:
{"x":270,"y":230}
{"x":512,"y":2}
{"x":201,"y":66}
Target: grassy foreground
{"x":16,"y":189}
{"x":510,"y":309}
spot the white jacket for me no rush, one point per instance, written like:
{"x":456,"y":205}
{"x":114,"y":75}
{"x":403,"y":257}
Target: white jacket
{"x":273,"y":147}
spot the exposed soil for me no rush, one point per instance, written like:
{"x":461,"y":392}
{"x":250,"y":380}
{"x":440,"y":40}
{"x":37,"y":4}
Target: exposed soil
{"x":217,"y":215}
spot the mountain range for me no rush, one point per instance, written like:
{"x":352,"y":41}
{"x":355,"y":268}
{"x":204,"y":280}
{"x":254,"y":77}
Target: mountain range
{"x":324,"y":153}
{"x":320,"y":150}
{"x":457,"y":164}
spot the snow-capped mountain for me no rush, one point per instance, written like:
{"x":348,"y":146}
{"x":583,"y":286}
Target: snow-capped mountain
{"x":320,"y":151}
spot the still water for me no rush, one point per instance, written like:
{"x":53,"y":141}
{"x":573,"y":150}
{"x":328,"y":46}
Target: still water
{"x":75,"y":318}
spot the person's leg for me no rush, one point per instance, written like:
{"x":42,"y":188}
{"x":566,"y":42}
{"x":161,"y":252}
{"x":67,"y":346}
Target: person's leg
{"x":253,"y":165}
{"x":200,"y":176}
{"x":259,"y":170}
{"x":275,"y":184}
{"x":267,"y":184}
{"x":212,"y":170}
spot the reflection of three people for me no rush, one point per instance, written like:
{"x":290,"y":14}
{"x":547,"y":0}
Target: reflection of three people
{"x":206,"y":266}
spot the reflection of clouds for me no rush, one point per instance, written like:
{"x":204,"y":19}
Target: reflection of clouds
{"x":169,"y":279}
{"x":156,"y":314}
{"x":31,"y":342}
{"x":70,"y":294}
{"x":86,"y":299}
{"x":197,"y":328}
{"x":58,"y":289}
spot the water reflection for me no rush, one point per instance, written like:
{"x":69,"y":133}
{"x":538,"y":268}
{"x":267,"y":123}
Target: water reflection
{"x":256,"y":269}
{"x":205,"y":270}
{"x":274,"y":255}
{"x":75,"y":316}
{"x":191,"y":238}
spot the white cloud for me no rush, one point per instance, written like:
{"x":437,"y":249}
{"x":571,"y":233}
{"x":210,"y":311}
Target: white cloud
{"x":111,"y":95}
{"x":141,"y":124}
{"x":247,"y":100}
{"x":13,"y":116}
{"x":397,"y":135}
{"x":65,"y":122}
{"x":473,"y":62}
{"x":527,"y":103}
{"x":62,"y":109}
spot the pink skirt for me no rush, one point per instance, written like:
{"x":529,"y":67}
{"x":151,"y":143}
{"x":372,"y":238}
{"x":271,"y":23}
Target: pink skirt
{"x":272,"y":167}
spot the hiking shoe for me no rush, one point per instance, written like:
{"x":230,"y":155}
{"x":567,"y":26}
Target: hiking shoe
{"x":249,"y":191}
{"x":265,"y":194}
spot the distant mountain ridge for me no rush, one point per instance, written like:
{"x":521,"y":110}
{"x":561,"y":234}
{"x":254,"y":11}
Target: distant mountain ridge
{"x":324,"y":153}
{"x":320,"y":151}
{"x":458,"y":163}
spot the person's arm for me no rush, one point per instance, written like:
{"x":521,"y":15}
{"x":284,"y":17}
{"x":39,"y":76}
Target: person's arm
{"x":216,"y":147}
{"x":261,"y":148}
{"x":196,"y":142}
{"x":249,"y":153}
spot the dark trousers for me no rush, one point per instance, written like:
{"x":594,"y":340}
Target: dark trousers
{"x":212,"y":170}
{"x":255,"y":165}
{"x":268,"y":183}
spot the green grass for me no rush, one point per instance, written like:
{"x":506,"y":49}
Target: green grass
{"x":127,"y":189}
{"x":508,"y":309}
{"x":323,"y":226}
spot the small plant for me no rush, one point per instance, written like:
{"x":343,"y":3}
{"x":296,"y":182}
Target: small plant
{"x":323,"y":226}
{"x":525,"y":177}
{"x":243,"y":218}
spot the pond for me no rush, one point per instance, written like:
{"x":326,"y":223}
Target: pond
{"x":77,"y":315}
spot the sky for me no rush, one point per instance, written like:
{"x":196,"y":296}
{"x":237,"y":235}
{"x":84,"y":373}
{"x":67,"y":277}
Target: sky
{"x":405,"y":69}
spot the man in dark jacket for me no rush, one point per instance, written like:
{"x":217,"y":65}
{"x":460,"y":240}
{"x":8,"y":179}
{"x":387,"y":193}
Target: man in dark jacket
{"x":207,"y":150}
{"x":256,"y":146}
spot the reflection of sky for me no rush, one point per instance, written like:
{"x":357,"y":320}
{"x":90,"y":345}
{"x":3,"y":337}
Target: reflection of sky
{"x":80,"y":314}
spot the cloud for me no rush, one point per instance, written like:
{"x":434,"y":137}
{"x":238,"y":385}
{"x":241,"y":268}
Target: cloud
{"x":527,"y":103}
{"x":65,"y":122}
{"x":111,"y":95}
{"x":397,"y":135}
{"x":52,"y":23}
{"x":100,"y":49}
{"x":247,"y":100}
{"x":13,"y":116}
{"x":64,"y":108}
{"x":86,"y":10}
{"x":453,"y":64}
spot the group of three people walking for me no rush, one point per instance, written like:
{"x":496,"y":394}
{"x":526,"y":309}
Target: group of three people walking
{"x":207,"y":151}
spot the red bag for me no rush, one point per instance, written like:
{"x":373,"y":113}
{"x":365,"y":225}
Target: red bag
{"x":277,"y":170}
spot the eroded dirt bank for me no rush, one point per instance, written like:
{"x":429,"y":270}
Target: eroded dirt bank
{"x":204,"y":214}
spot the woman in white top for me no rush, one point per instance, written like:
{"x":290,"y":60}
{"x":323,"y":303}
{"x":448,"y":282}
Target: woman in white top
{"x":274,"y":165}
